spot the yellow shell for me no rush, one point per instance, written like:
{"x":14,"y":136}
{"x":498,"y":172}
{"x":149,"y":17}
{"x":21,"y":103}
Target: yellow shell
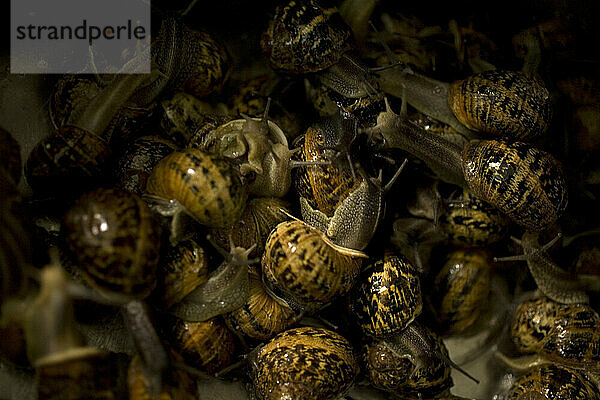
{"x":302,"y":263}
{"x":209,"y":188}
{"x":551,"y":381}
{"x":178,"y":385}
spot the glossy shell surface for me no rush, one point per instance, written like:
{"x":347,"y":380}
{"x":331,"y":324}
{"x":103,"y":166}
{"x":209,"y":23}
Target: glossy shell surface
{"x":525,"y":183}
{"x":553,"y":382}
{"x":387,"y":297}
{"x":115,"y":241}
{"x":209,"y":188}
{"x":502,"y":103}
{"x":304,"y":363}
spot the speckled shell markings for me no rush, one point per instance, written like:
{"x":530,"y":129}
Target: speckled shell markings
{"x":387,"y":297}
{"x":209,"y":188}
{"x":550,"y":381}
{"x":461,"y":289}
{"x":115,"y":241}
{"x":523,"y":182}
{"x":502,"y":103}
{"x":303,"y":37}
{"x":302,"y":264}
{"x":262,"y":316}
{"x":304,"y":363}
{"x":206,"y":345}
{"x":323,"y":186}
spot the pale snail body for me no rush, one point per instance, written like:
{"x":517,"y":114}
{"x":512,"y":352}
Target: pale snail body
{"x":210,"y":189}
{"x":551,"y":381}
{"x":300,"y":262}
{"x":303,"y":363}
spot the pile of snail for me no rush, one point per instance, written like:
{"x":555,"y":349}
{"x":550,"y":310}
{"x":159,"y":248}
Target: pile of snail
{"x":315,"y":232}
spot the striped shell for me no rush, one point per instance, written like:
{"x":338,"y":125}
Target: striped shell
{"x":303,"y":37}
{"x":550,"y":381}
{"x":206,"y":345}
{"x":115,"y":241}
{"x":502,"y":103}
{"x":304,"y":363}
{"x":303,"y":264}
{"x":523,"y":182}
{"x":387,"y":297}
{"x":262,"y":316}
{"x":209,"y":188}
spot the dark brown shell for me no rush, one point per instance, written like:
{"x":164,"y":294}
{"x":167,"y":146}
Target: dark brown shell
{"x":304,"y":363}
{"x":502,"y":103}
{"x":66,"y":159}
{"x":262,"y":316}
{"x":206,"y":345}
{"x":115,"y":241}
{"x":387,"y":297}
{"x":209,"y":188}
{"x":550,"y":381}
{"x":303,"y":37}
{"x":70,"y":96}
{"x":525,"y":183}
{"x":300,"y":262}
{"x":461,"y":289}
{"x":260,"y":216}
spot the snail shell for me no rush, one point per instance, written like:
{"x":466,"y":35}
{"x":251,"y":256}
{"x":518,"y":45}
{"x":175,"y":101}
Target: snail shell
{"x":206,"y":345}
{"x":210,"y":189}
{"x":502,"y":103}
{"x":303,"y":37}
{"x":550,"y":381}
{"x":262,"y":316}
{"x":523,"y":182}
{"x":387,"y":297}
{"x":461,"y":289}
{"x":303,"y":264}
{"x":304,"y":363}
{"x":178,"y":385}
{"x":116,"y":242}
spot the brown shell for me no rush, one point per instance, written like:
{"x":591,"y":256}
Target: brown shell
{"x":323,"y":186}
{"x":387,"y":297}
{"x":178,"y":385}
{"x":262,"y":316}
{"x":461,"y":289}
{"x":502,"y":103}
{"x":304,"y":363}
{"x":260,"y":216}
{"x":206,"y":345}
{"x":300,"y":261}
{"x":70,"y":96}
{"x":184,"y":269}
{"x":550,"y":381}
{"x":11,"y":155}
{"x":474,"y":223}
{"x":65,"y":159}
{"x":116,"y":242}
{"x":209,"y":188}
{"x":525,"y":183}
{"x":303,"y":37}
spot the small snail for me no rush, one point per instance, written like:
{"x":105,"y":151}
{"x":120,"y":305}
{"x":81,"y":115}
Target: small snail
{"x":551,"y":381}
{"x":208,"y":188}
{"x":523,"y":182}
{"x":306,"y":267}
{"x":501,"y":103}
{"x":303,"y":363}
{"x":461,"y":289}
{"x":178,"y":384}
{"x":556,"y":283}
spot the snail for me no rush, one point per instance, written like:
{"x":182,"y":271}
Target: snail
{"x":554,"y":282}
{"x":306,"y":267}
{"x":303,"y":363}
{"x":525,"y":183}
{"x":551,"y":381}
{"x":502,"y":103}
{"x":264,"y":314}
{"x":565,"y":334}
{"x":461,"y":289}
{"x":113,"y":238}
{"x":209,"y":189}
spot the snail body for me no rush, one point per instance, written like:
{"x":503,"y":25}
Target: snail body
{"x":304,"y":363}
{"x":555,"y":382}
